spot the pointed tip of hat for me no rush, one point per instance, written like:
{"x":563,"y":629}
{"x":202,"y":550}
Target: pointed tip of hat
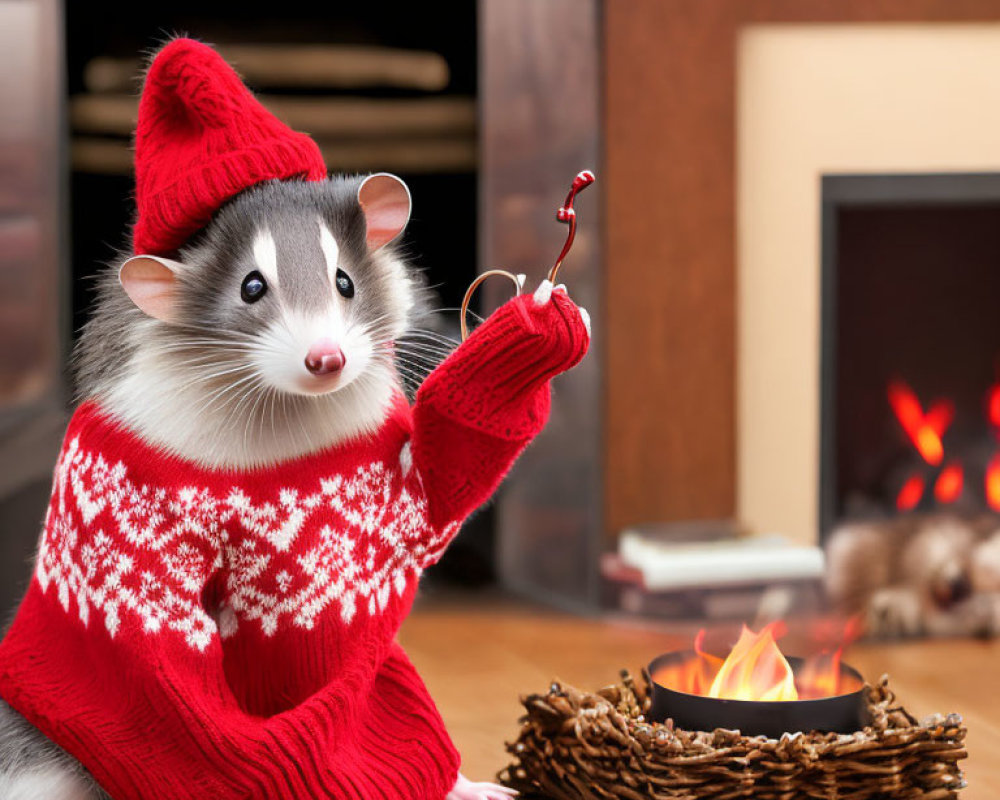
{"x":201,"y":138}
{"x":177,"y":52}
{"x":197,"y":75}
{"x":178,"y":45}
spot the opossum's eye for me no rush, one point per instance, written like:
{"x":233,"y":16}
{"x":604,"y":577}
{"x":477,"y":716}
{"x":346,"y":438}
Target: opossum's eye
{"x":344,"y":284}
{"x":254,"y":287}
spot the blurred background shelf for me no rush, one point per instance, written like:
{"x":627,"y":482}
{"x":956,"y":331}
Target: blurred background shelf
{"x":97,"y":156}
{"x":300,"y":65}
{"x":430,"y":133}
{"x":115,"y":115}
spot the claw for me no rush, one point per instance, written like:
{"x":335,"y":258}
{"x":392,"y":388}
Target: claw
{"x":543,"y":293}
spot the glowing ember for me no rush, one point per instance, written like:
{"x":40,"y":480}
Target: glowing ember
{"x":755,"y":669}
{"x":910,"y":494}
{"x":993,"y":483}
{"x":993,"y":406}
{"x":924,"y":430}
{"x":948,"y":487}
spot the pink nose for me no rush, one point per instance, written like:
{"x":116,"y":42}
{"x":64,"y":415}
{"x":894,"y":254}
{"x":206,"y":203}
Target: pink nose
{"x":325,"y":357}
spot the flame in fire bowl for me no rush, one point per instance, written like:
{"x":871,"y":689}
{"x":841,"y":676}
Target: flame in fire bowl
{"x":838,"y":713}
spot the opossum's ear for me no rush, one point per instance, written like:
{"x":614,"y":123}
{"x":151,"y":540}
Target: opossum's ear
{"x":385,"y":201}
{"x":151,"y":283}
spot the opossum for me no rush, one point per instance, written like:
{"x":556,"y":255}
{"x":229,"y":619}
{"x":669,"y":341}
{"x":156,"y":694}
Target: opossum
{"x":262,"y":360}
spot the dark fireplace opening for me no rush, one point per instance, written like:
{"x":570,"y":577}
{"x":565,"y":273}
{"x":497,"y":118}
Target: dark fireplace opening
{"x":910,"y":345}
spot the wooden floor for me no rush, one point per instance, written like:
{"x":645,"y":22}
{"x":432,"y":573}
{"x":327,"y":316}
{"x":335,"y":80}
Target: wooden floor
{"x":478,"y":654}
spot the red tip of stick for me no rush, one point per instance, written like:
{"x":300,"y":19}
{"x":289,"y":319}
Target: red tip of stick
{"x":583,"y":179}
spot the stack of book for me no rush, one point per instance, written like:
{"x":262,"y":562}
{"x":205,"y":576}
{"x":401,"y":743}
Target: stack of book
{"x":711,"y":571}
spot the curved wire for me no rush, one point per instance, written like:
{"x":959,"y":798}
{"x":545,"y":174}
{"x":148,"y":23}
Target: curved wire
{"x":517,"y":280}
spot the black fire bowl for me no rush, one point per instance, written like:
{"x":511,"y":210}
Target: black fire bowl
{"x":844,"y":713}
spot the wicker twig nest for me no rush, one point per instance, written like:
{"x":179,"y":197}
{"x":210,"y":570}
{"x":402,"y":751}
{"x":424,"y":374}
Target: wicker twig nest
{"x":576,"y":745}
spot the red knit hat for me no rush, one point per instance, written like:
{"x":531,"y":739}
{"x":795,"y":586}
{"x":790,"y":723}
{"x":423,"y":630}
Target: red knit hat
{"x":203,"y":137}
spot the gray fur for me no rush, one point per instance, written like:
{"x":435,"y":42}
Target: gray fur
{"x":33,"y":768}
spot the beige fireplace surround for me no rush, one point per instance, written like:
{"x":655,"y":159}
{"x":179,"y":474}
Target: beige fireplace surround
{"x":815,"y":100}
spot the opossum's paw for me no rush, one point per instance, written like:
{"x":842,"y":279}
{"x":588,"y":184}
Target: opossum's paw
{"x":464,"y":789}
{"x":895,"y":612}
{"x":543,"y":294}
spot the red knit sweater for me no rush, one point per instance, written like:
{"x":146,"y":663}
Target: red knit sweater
{"x":296,"y":688}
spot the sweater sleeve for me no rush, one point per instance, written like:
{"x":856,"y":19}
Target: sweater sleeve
{"x":478,"y":410}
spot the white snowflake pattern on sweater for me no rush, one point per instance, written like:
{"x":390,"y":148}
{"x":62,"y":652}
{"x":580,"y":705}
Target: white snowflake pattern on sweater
{"x":124,"y":548}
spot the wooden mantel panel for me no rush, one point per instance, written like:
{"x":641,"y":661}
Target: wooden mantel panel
{"x":669,"y":284}
{"x":670,"y":279}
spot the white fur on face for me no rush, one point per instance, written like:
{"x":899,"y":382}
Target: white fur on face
{"x":331,"y":251}
{"x":265,"y":254}
{"x":281,"y":358}
{"x":247,"y":422}
{"x":285,"y":342}
{"x":400,"y":304}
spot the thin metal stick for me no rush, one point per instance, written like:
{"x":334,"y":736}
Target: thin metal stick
{"x":567,"y":214}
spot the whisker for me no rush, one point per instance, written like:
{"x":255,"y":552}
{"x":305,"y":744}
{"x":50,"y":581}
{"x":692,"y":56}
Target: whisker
{"x":417,"y":333}
{"x":435,"y":347}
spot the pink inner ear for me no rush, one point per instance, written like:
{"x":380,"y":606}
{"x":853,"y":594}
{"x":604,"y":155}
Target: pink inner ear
{"x":385,"y":201}
{"x":151,"y":285}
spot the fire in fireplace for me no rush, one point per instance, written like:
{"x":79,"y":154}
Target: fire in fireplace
{"x":910,"y":346}
{"x":942,"y":476}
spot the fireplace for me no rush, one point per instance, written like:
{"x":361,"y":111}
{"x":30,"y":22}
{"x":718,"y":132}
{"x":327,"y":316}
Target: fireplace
{"x":910,"y":345}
